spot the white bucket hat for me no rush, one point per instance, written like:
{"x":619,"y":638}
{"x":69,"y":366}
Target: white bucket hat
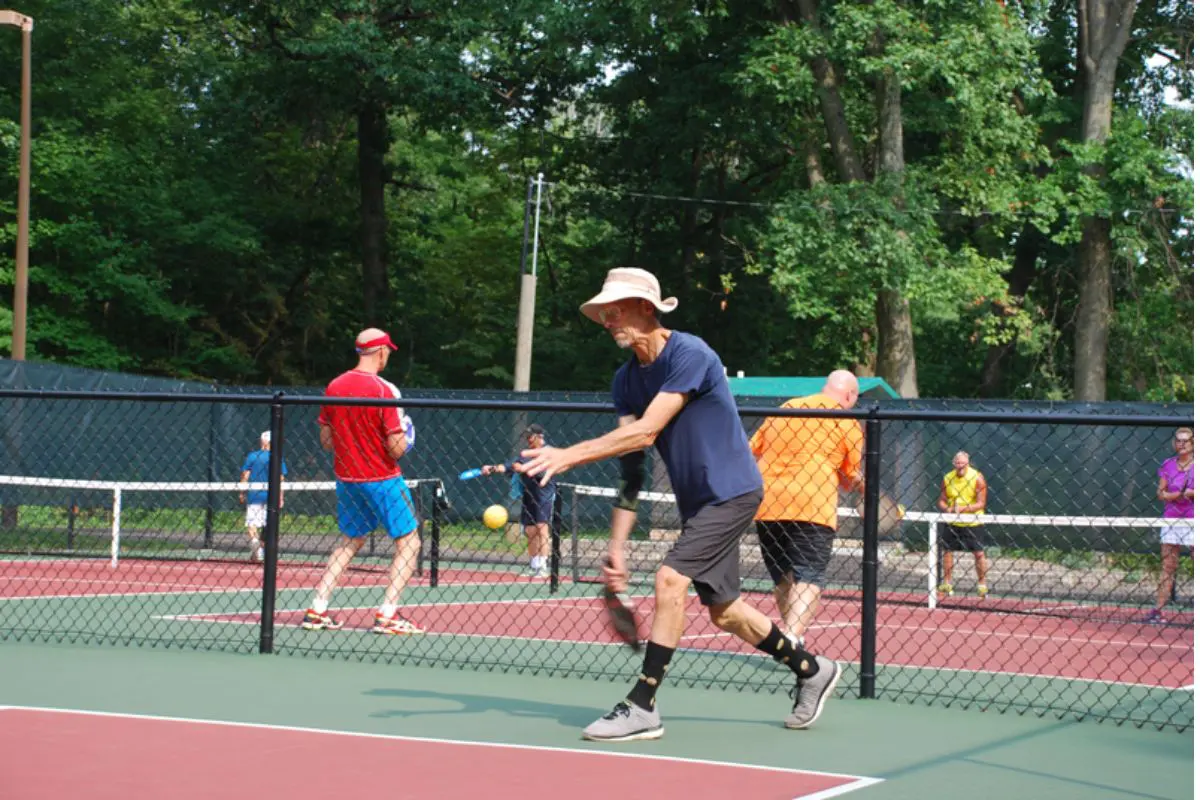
{"x":625,"y":283}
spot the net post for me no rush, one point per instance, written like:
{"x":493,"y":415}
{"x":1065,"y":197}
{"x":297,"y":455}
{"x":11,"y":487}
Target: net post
{"x":870,"y":555}
{"x":209,"y":498}
{"x":574,"y":536}
{"x":933,"y":564}
{"x":71,"y":501}
{"x":435,"y":533}
{"x":116,"y":528}
{"x":266,"y":636}
{"x":418,"y":496}
{"x":555,"y":542}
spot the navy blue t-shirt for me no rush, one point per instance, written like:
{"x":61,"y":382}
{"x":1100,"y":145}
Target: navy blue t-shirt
{"x":258,"y":464}
{"x":533,"y":492}
{"x":705,"y":447}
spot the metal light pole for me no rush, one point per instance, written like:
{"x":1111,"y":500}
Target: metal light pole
{"x":21,"y":277}
{"x":526,"y":305}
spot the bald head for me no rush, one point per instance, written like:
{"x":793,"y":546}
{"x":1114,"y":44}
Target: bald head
{"x":373,"y":347}
{"x":842,"y":387}
{"x":371,"y":338}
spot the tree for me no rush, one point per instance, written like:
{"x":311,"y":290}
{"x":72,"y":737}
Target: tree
{"x":1104,"y":29}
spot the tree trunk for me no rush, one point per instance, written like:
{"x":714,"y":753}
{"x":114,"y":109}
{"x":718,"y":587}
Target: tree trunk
{"x":1094,"y":312}
{"x":1104,"y":27}
{"x":833,"y":111}
{"x":896,"y":361}
{"x":372,"y":178}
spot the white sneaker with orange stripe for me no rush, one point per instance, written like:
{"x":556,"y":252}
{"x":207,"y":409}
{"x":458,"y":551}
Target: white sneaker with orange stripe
{"x":395,"y":625}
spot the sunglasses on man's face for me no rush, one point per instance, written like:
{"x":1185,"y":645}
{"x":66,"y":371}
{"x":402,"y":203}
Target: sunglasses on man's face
{"x":1182,"y":439}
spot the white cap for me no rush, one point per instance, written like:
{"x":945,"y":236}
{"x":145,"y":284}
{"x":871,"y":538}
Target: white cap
{"x":265,"y":437}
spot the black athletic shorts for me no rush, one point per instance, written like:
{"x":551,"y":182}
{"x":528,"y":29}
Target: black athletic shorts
{"x":966,"y":538}
{"x":792,"y":546}
{"x":536,"y":509}
{"x":707,"y":548}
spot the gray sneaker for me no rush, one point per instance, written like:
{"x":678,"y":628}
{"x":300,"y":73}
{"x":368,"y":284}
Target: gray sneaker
{"x":625,"y":723}
{"x":811,"y":694}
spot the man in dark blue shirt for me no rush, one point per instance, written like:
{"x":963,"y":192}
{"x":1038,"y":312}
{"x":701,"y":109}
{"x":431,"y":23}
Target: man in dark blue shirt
{"x":673,"y":394}
{"x":256,"y":469}
{"x":537,"y":504}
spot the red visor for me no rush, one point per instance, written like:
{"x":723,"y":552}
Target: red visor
{"x":373,"y":343}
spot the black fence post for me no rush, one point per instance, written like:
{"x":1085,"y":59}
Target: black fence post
{"x":870,"y":555}
{"x":71,"y":503}
{"x":435,"y":533}
{"x":555,"y":541}
{"x":210,"y":499}
{"x":266,"y":638}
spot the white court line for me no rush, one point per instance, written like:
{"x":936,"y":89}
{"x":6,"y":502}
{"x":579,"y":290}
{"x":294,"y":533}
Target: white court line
{"x":857,"y":781}
{"x":1032,"y":637}
{"x":720,"y":634}
{"x":209,"y":617}
{"x":1033,"y":675}
{"x":231,"y":590}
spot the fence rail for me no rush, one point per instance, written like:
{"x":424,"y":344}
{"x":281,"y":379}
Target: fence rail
{"x":123,"y":524}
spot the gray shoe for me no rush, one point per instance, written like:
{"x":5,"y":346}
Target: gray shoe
{"x":811,"y":693}
{"x":625,"y":723}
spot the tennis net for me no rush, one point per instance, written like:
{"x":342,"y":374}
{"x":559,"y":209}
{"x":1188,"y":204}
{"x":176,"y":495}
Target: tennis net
{"x":176,"y":520}
{"x":1077,"y":566}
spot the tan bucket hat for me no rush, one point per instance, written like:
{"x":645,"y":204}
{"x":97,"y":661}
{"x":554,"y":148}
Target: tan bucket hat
{"x":624,"y":283}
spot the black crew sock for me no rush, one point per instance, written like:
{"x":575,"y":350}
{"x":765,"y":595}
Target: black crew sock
{"x":780,"y":647}
{"x":654,"y":667}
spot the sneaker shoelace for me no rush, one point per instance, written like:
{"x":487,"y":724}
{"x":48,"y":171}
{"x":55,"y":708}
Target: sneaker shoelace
{"x":619,"y":710}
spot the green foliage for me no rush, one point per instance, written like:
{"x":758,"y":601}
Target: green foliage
{"x":198,"y":197}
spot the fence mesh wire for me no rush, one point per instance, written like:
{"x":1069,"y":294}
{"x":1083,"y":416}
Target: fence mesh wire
{"x":125,"y":522}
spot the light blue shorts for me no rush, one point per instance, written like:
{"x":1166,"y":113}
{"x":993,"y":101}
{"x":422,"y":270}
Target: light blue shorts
{"x":363,"y":507}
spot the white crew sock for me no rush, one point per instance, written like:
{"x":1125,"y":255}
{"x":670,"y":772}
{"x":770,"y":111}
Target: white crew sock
{"x":387,"y":610}
{"x":320,"y":606}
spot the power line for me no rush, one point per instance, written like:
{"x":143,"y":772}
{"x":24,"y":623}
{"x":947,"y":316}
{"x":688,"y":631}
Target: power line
{"x":710,"y":201}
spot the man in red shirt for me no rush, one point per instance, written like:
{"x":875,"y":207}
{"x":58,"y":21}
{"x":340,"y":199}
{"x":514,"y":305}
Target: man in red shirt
{"x":366,"y":441}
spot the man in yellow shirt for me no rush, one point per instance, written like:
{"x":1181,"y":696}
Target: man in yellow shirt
{"x":803,"y":462}
{"x":964,"y":491}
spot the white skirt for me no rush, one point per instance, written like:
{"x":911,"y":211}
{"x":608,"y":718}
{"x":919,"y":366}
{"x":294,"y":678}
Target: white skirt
{"x":1181,"y":533}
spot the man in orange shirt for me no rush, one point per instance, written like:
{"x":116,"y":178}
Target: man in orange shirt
{"x":803,"y":463}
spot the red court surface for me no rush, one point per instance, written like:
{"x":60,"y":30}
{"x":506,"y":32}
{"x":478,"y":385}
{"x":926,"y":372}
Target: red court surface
{"x":999,"y":635}
{"x":96,"y":578}
{"x":945,"y":639}
{"x":61,"y":754}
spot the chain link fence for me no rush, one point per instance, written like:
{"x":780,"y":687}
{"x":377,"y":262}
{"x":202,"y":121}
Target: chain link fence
{"x":165,"y":519}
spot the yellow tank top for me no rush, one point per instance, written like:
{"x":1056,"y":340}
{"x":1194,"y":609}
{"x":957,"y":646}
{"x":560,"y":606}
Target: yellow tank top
{"x":961,"y":490}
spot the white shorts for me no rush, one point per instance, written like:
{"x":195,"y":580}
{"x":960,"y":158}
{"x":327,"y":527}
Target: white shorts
{"x":1181,"y":533}
{"x":256,"y":516}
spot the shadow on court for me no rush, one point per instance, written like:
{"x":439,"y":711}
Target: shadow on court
{"x":424,"y":703}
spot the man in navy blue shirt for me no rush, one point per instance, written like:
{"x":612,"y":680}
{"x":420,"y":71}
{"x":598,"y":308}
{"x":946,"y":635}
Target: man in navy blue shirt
{"x":673,"y":394}
{"x":537,"y":504}
{"x":256,"y":469}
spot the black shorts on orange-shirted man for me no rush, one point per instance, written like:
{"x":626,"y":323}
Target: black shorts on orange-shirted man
{"x":801,"y":549}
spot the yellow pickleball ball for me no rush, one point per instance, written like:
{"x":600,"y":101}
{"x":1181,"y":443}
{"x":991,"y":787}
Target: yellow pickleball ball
{"x":900,"y":508}
{"x":495,"y":516}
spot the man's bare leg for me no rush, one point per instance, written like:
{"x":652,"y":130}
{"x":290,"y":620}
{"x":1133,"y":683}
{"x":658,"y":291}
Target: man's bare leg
{"x":339,"y":559}
{"x":947,"y":568}
{"x":404,"y":563}
{"x":981,"y":570}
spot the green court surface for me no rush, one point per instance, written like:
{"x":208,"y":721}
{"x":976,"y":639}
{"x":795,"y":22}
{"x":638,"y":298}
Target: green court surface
{"x":915,"y":751}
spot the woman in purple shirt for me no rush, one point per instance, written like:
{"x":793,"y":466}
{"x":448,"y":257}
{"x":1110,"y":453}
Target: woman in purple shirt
{"x":1176,"y":488}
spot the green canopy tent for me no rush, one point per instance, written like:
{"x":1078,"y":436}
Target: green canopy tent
{"x":868,"y":388}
